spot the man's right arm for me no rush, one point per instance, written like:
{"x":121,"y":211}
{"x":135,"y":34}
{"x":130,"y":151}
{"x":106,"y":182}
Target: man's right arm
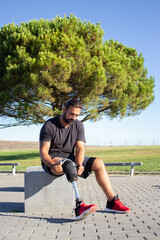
{"x":44,"y":153}
{"x":48,"y":161}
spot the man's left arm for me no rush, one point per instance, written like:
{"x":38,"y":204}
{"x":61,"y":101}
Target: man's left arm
{"x":79,"y":156}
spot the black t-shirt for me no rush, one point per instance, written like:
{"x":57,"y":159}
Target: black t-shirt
{"x":62,"y":139}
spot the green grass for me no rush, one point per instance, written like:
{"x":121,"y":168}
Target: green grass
{"x":25,"y":158}
{"x":149,"y":155}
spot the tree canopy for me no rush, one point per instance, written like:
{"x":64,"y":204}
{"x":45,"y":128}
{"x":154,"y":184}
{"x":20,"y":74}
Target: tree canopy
{"x":44,"y":63}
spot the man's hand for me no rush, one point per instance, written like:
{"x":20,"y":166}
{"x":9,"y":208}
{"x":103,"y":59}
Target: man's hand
{"x":57,"y":167}
{"x":80,"y":169}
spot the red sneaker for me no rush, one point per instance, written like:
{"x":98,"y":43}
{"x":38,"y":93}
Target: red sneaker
{"x":116,"y":206}
{"x":82,"y":210}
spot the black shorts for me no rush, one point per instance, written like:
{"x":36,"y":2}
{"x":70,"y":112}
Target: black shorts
{"x":87,"y":164}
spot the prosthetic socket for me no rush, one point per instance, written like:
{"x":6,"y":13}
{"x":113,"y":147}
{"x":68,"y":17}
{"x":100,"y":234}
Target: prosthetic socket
{"x":69,"y":168}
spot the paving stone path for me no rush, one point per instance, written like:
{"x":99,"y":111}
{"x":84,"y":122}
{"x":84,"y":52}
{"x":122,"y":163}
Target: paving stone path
{"x":140,"y":193}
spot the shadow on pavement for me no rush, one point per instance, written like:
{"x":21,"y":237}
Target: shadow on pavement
{"x":12,"y":189}
{"x":156,"y":186}
{"x":50,"y":220}
{"x":11,"y":207}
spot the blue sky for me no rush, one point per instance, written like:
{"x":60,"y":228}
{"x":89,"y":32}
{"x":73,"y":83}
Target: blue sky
{"x":134,"y":23}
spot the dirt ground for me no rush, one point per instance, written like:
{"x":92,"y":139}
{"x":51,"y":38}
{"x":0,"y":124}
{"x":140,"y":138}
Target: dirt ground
{"x":18,"y":145}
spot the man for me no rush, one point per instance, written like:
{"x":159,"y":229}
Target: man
{"x":62,"y":138}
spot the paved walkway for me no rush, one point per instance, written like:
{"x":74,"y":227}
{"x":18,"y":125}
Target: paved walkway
{"x":140,"y":193}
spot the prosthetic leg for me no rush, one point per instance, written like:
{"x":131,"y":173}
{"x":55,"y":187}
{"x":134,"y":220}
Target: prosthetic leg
{"x":81,"y":210}
{"x":69,"y":168}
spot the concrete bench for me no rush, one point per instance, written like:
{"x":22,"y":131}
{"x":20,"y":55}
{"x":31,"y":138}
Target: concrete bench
{"x":11,"y":164}
{"x":46,"y":193}
{"x":132,"y":164}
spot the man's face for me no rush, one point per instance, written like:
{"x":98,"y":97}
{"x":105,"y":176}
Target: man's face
{"x":71,"y":114}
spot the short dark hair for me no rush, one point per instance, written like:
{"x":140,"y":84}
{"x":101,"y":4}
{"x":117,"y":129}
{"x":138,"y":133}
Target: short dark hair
{"x":74,"y":103}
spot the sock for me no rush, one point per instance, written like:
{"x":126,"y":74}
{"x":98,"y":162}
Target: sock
{"x":112,"y":200}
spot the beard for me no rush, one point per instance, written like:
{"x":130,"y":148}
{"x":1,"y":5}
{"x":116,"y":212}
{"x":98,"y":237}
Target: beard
{"x":68,"y":121}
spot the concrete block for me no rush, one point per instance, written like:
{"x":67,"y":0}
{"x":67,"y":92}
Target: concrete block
{"x":46,"y":193}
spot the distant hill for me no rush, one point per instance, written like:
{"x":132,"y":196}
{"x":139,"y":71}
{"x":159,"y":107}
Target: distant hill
{"x":18,"y":145}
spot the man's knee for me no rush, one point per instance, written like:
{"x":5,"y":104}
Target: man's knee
{"x":98,"y":164}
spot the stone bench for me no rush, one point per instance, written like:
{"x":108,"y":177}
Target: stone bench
{"x":46,"y":193}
